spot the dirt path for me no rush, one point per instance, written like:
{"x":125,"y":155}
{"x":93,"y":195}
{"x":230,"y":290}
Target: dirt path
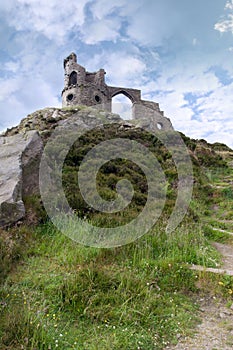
{"x":215,"y":332}
{"x":226,"y":251}
{"x":216,"y":329}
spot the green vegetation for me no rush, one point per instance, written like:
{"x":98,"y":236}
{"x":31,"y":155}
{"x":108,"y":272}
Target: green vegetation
{"x":130,"y":297}
{"x":58,"y":294}
{"x":216,"y":235}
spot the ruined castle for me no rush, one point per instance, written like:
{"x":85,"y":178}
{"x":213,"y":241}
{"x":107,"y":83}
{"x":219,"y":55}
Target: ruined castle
{"x":89,"y":89}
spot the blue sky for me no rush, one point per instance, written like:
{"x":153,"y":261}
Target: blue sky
{"x":178,"y":52}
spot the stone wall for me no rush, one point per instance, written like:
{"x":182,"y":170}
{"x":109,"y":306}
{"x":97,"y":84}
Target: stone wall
{"x":89,"y":89}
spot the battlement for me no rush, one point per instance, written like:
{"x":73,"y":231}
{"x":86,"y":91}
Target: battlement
{"x":89,"y":89}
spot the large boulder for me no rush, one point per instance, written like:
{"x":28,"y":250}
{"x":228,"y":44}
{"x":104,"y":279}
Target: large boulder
{"x":19,"y":159}
{"x":21,"y":148}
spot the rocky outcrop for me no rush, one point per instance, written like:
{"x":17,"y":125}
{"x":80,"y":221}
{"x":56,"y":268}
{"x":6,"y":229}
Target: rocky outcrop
{"x":19,"y":159}
{"x":21,"y":148}
{"x":48,"y":119}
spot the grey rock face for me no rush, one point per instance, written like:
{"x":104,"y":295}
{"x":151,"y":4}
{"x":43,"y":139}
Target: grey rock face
{"x":45,"y":121}
{"x":19,"y":160}
{"x":21,"y":149}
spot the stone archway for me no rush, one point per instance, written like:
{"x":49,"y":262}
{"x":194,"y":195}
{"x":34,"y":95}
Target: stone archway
{"x":73,"y":78}
{"x":122,"y":104}
{"x":133,"y":94}
{"x":124,"y":93}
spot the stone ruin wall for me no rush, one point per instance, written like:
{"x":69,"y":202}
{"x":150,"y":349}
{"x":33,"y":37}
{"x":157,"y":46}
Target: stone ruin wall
{"x":89,"y":89}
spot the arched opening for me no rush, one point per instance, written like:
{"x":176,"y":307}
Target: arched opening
{"x":73,"y":78}
{"x":122,"y":105}
{"x":159,"y":126}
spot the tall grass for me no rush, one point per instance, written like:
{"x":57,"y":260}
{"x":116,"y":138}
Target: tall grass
{"x":67,"y":296}
{"x":58,"y":294}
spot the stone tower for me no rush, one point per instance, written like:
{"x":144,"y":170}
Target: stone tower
{"x":89,"y":89}
{"x":82,"y":87}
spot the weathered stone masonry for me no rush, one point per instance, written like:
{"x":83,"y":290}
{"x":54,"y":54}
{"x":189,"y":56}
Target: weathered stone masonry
{"x":90,"y":89}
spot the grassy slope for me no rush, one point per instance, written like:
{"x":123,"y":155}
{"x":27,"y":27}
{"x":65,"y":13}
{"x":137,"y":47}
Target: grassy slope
{"x":56,"y":294}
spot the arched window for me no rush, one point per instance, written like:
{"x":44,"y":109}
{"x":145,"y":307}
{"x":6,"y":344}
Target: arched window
{"x":73,"y":78}
{"x":122,"y":105}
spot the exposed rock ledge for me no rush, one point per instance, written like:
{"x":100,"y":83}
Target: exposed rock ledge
{"x":21,"y":148}
{"x":19,"y":162}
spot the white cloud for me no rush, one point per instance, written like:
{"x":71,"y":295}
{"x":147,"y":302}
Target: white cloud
{"x":122,"y":106}
{"x":125,"y":69}
{"x":180,"y":80}
{"x":103,"y":8}
{"x":28,"y":86}
{"x":143,"y":19}
{"x":225,"y":24}
{"x":108,"y":18}
{"x":229,"y":5}
{"x":122,"y":69}
{"x":12,"y":66}
{"x":101,"y":30}
{"x":7,"y":88}
{"x":220,"y":136}
{"x":193,"y":82}
{"x":208,"y":115}
{"x":147,"y":26}
{"x":50,"y":18}
{"x":18,"y":99}
{"x":217,"y":106}
{"x":55,"y":20}
{"x":213,"y":113}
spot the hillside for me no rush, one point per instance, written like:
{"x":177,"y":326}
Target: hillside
{"x":58,"y":294}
